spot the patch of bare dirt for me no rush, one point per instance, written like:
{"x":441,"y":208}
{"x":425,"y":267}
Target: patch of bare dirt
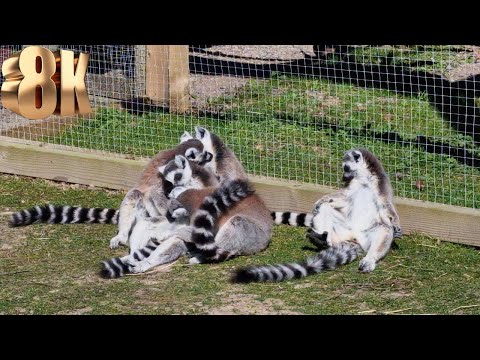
{"x":81,"y":311}
{"x":9,"y":119}
{"x":11,"y":238}
{"x":304,"y":285}
{"x":463,"y":71}
{"x":261,"y":53}
{"x":89,"y":278}
{"x":63,"y":185}
{"x":325,"y":100}
{"x":248,"y":304}
{"x":204,"y":87}
{"x":396,"y":294}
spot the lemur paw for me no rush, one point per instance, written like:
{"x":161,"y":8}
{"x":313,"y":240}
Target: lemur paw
{"x":139,"y":267}
{"x":179,"y":213}
{"x":367,"y":265}
{"x":176,"y":192}
{"x":118,"y":240}
{"x":130,"y":261}
{"x":194,"y":261}
{"x":176,"y":210}
{"x":319,"y":240}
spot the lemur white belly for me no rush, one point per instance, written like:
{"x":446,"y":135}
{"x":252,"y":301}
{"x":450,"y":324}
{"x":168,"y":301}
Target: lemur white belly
{"x":145,"y":229}
{"x":364,"y":209}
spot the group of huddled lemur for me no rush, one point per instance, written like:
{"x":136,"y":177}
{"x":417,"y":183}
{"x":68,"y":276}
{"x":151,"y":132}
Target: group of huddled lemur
{"x":196,"y":200}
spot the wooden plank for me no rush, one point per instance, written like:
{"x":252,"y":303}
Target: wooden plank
{"x":74,"y":167}
{"x":451,"y":223}
{"x":156,"y":74}
{"x":178,"y":79}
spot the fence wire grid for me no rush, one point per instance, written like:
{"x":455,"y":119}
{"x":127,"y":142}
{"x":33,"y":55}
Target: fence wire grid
{"x":288,"y":111}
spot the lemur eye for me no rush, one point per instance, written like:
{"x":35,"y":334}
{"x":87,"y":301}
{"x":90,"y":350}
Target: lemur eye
{"x":331,"y":200}
{"x":356,"y":156}
{"x":177,"y":177}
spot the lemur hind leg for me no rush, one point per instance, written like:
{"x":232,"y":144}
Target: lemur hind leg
{"x":169,"y":250}
{"x":377,"y":243}
{"x":330,"y":227}
{"x":126,"y":218}
{"x":240,"y":235}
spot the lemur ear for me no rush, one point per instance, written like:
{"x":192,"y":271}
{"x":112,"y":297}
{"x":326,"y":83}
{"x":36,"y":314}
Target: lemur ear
{"x":200,"y":132}
{"x":180,"y":161}
{"x":185,"y":136}
{"x":161,"y":169}
{"x":191,"y":153}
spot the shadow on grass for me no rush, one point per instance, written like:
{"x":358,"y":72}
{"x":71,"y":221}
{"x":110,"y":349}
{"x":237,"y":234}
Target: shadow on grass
{"x":454,"y":100}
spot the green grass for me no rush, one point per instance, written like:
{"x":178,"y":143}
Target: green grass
{"x":49,"y":269}
{"x":435,"y":58}
{"x":281,"y":128}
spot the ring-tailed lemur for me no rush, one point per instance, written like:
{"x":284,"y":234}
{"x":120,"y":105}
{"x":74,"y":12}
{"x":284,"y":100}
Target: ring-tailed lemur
{"x":153,"y":239}
{"x":359,"y":218}
{"x":226,"y":165}
{"x":174,"y":241}
{"x":150,"y":187}
{"x":220,"y":217}
{"x":243,"y":230}
{"x":165,"y":241}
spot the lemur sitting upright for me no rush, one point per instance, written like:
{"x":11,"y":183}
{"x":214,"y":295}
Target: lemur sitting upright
{"x":359,"y":218}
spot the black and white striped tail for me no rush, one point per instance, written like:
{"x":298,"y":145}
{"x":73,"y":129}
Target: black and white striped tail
{"x":118,"y":267}
{"x":325,"y":260}
{"x":63,"y":214}
{"x":213,"y":206}
{"x":292,"y":218}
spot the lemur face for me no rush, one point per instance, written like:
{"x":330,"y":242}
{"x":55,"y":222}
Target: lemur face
{"x":352,"y":163}
{"x":201,"y":158}
{"x":195,"y":155}
{"x":205,"y":137}
{"x":177,"y":171}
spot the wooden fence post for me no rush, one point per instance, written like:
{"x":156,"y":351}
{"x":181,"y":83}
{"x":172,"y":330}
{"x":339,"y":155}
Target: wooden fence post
{"x":167,"y":76}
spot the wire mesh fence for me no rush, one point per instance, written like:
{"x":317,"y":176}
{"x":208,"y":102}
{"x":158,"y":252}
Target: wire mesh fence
{"x":288,"y":111}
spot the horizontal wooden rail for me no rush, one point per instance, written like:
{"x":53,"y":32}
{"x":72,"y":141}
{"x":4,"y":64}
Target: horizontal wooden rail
{"x":446,"y":222}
